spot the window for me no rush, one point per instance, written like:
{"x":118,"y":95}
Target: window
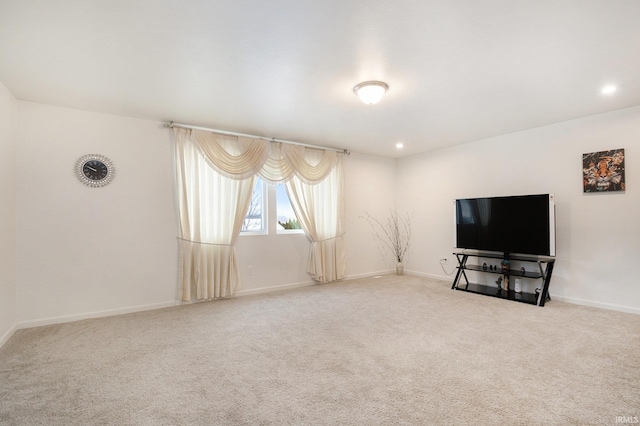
{"x":264,"y":196}
{"x":255,"y":220}
{"x":287,"y":221}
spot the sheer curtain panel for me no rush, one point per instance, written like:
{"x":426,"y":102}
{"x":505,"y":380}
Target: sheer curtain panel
{"x":319,"y":208}
{"x":211,"y":209}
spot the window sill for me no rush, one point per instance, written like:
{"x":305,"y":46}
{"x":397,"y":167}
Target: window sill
{"x":290,"y":232}
{"x":253,"y":233}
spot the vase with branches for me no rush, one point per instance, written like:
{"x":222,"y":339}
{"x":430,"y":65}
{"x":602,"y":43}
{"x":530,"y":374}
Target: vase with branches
{"x":394,"y":233}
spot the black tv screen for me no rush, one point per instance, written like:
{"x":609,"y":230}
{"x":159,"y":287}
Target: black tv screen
{"x":523,"y":224}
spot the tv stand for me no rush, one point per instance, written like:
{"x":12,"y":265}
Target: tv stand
{"x":543,"y":271}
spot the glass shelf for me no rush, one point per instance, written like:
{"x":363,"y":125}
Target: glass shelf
{"x":493,"y":291}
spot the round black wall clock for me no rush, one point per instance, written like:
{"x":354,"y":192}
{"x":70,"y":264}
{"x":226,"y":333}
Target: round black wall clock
{"x":95,"y":170}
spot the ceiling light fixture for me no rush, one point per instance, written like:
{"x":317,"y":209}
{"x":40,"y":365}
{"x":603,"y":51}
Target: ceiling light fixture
{"x":399,"y":145}
{"x":370,"y":92}
{"x":607,"y":90}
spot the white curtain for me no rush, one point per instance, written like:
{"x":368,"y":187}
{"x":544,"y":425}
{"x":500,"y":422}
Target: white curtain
{"x":320,"y":209}
{"x":215,"y":177}
{"x":211,"y":209}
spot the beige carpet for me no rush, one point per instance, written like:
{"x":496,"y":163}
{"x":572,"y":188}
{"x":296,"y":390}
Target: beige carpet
{"x":378,"y":351}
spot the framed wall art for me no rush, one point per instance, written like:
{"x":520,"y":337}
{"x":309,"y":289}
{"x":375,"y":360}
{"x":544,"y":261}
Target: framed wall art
{"x":603,"y":171}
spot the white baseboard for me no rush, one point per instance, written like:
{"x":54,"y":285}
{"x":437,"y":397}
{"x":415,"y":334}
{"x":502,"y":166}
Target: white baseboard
{"x":370,"y":274}
{"x":97,"y":314}
{"x":6,"y":336}
{"x":608,"y":306}
{"x":274,"y":288}
{"x":306,"y":283}
{"x":432,"y":276}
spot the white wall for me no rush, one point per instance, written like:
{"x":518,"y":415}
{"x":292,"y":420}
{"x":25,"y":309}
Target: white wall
{"x":8,"y":122}
{"x":86,"y":252}
{"x":369,"y":187}
{"x":276,"y":261}
{"x":598,"y":235}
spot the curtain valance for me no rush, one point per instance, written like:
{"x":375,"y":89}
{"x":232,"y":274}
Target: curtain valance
{"x":241,"y":157}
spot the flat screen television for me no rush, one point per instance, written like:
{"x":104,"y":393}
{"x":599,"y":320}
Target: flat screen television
{"x":522,"y":224}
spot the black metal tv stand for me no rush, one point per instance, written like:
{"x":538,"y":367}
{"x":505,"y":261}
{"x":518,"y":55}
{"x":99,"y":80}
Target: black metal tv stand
{"x":542,"y":270}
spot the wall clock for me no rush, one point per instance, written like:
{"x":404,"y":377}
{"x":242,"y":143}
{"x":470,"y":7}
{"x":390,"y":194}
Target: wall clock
{"x":95,"y":170}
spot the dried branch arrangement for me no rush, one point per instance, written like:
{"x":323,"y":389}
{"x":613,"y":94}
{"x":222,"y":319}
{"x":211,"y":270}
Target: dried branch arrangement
{"x":394,"y":233}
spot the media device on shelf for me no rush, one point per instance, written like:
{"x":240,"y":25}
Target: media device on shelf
{"x":520,"y":224}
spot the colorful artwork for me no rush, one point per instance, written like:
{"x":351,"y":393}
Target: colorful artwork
{"x":603,"y":171}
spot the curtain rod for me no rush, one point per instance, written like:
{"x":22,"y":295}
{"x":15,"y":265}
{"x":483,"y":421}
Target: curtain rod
{"x":171,"y":124}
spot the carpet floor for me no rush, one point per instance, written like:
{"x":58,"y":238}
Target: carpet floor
{"x":378,"y":351}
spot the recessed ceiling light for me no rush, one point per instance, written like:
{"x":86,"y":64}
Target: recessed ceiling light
{"x":608,"y":89}
{"x":399,"y":145}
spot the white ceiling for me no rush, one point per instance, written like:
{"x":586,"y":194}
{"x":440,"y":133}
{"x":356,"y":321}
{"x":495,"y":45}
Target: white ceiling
{"x":458,"y":70}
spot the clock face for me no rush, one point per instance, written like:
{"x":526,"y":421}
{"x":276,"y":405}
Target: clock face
{"x":94,"y":170}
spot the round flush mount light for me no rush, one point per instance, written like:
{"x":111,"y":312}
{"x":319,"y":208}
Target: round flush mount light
{"x":399,"y":145}
{"x":370,"y":92}
{"x":609,"y":89}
